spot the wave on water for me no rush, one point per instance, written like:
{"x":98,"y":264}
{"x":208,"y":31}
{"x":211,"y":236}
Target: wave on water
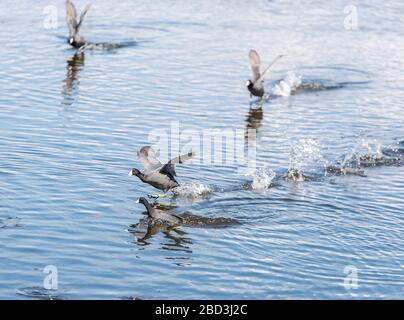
{"x":10,"y":222}
{"x":40,"y":293}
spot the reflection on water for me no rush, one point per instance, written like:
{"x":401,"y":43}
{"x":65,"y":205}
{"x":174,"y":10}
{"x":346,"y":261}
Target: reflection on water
{"x":175,"y":238}
{"x":252,"y":125}
{"x":146,"y":228}
{"x":71,"y":82}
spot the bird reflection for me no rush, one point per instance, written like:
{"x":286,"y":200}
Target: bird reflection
{"x":253,"y":123}
{"x":145,"y":229}
{"x":175,"y":240}
{"x":71,"y":82}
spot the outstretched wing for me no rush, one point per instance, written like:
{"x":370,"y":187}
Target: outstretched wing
{"x":148,"y":158}
{"x":71,"y":18}
{"x":169,"y":167}
{"x":182,"y":159}
{"x":255,"y":63}
{"x":269,"y":67}
{"x":82,"y":15}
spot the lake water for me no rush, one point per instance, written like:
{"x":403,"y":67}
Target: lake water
{"x":70,"y":127}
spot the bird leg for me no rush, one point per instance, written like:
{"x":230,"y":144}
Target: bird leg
{"x":156,"y":196}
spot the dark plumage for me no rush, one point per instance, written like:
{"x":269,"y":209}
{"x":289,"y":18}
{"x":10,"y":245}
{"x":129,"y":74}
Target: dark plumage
{"x":256,"y":84}
{"x":74,"y":25}
{"x":156,"y":214}
{"x":160,"y":176}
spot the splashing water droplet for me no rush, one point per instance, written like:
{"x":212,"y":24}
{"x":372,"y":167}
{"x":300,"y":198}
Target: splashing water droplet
{"x":286,"y":86}
{"x":305,"y":154}
{"x":363,"y":151}
{"x":262,"y":178}
{"x":194,"y":190}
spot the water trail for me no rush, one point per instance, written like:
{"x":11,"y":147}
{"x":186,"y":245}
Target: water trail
{"x":366,"y":153}
{"x":307,"y":163}
{"x":294,"y":83}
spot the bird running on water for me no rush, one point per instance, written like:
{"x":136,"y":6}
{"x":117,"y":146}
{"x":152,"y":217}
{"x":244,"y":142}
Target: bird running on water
{"x":161,"y":176}
{"x":74,"y":25}
{"x":159,"y":215}
{"x":256,"y":84}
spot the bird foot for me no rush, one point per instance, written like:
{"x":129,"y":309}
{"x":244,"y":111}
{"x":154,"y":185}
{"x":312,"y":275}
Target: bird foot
{"x":156,"y":196}
{"x":162,"y":205}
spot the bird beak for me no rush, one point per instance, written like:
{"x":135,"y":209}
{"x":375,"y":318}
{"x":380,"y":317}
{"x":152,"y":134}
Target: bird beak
{"x":130,"y":173}
{"x":247,"y":83}
{"x":137,"y":201}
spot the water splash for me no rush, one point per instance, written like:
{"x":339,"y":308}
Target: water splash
{"x":193,"y":190}
{"x":395,"y":151}
{"x":288,"y":85}
{"x":306,"y":155}
{"x":262,"y":178}
{"x":363,"y":151}
{"x":294,"y":175}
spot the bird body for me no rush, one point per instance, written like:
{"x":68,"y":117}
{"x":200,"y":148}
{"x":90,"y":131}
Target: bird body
{"x":159,"y":180}
{"x":161,"y":176}
{"x":159,"y":215}
{"x":74,"y":25}
{"x":255,"y":89}
{"x":256,"y":83}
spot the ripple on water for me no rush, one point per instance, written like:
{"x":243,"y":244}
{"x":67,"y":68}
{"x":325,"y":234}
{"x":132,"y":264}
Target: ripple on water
{"x":39,"y":293}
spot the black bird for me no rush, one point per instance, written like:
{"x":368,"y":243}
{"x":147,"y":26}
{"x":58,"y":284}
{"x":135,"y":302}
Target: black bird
{"x":159,"y":215}
{"x":160,"y":176}
{"x":255,"y":84}
{"x":75,"y":39}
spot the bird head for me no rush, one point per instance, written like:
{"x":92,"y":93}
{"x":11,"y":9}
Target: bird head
{"x":141,"y":200}
{"x":134,"y":172}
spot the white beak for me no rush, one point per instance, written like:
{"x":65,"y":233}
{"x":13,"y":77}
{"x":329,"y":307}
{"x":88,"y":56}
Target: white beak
{"x":130,"y":173}
{"x":137,"y":201}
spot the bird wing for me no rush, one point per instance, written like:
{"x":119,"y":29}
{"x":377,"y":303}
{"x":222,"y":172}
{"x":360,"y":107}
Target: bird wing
{"x":82,"y":15}
{"x":169,"y":167}
{"x":71,"y":17}
{"x":261,"y":78}
{"x":255,"y":63}
{"x":182,"y":159}
{"x":148,"y":158}
{"x":169,"y":170}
